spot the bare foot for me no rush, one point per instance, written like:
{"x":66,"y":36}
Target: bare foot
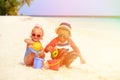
{"x":68,"y":67}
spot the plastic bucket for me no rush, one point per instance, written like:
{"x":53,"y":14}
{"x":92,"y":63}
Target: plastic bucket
{"x":54,"y":64}
{"x":38,"y":63}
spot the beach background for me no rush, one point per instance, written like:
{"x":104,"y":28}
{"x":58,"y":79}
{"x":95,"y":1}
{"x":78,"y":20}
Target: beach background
{"x":97,"y":38}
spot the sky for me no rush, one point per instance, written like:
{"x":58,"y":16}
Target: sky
{"x":72,"y":8}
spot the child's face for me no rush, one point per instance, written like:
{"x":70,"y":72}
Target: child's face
{"x":63,"y":35}
{"x":36,"y":34}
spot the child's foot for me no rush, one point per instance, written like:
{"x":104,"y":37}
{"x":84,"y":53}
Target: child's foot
{"x":45,"y":66}
{"x":29,"y":65}
{"x":68,"y":66}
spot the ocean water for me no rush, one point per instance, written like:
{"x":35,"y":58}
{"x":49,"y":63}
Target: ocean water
{"x":89,"y":22}
{"x":112,"y":24}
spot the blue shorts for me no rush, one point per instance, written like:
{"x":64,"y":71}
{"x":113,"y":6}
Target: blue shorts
{"x":28,"y":50}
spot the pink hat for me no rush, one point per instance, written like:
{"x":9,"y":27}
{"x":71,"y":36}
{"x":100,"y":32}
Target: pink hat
{"x":66,"y":24}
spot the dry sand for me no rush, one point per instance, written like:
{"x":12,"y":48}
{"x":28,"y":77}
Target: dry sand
{"x":99,"y":46}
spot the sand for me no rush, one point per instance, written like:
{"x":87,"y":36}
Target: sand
{"x":99,"y":45}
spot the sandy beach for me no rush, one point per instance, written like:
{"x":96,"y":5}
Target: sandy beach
{"x":97,"y":39}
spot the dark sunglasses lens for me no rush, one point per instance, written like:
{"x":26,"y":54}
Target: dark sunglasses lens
{"x":33,"y":34}
{"x":38,"y":35}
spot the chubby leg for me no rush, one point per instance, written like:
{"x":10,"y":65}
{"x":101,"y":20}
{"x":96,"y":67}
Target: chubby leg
{"x":29,"y":59}
{"x":69,"y":58}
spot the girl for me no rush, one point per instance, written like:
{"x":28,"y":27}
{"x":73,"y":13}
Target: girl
{"x":36,"y":36}
{"x":63,"y":43}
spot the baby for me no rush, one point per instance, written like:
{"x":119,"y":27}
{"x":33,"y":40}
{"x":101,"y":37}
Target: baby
{"x":63,"y":43}
{"x":36,"y":35}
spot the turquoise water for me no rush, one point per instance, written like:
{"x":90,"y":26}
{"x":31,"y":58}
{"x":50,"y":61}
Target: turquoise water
{"x":112,"y":24}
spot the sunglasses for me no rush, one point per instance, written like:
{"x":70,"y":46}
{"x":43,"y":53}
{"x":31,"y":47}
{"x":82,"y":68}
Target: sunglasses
{"x":37,"y":35}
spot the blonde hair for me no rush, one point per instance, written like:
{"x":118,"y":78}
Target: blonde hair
{"x":63,"y":27}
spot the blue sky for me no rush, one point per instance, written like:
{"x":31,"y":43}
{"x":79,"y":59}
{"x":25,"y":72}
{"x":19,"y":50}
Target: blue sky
{"x":72,"y":7}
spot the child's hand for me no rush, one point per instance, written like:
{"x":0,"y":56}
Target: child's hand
{"x":29,"y":41}
{"x":41,"y":54}
{"x":83,"y":61}
{"x":51,"y":49}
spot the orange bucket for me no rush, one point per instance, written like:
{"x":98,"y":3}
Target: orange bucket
{"x":54,"y":64}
